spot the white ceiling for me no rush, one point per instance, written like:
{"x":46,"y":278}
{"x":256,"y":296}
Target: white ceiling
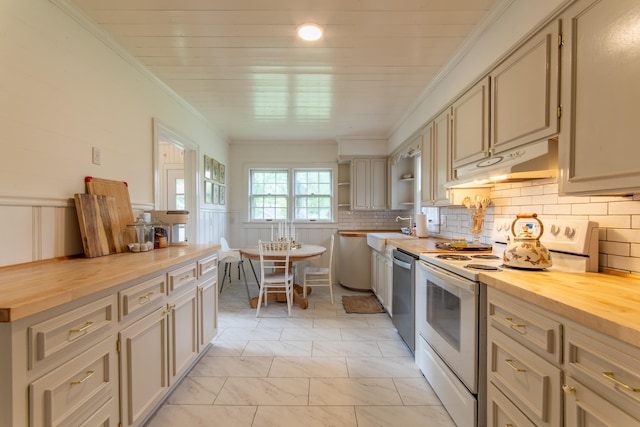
{"x":241,"y":65}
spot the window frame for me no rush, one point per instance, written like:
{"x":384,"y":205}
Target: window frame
{"x":291,"y":197}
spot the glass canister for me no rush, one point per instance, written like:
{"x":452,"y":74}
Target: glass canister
{"x":161,"y":234}
{"x":140,"y":236}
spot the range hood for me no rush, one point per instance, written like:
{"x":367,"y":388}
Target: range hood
{"x":533,"y":161}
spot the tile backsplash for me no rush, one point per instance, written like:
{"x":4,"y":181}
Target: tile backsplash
{"x":372,"y":220}
{"x":617,"y":217}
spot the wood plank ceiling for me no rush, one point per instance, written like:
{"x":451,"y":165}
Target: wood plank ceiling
{"x":240,"y":63}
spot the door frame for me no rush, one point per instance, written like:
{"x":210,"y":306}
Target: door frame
{"x":163,"y":133}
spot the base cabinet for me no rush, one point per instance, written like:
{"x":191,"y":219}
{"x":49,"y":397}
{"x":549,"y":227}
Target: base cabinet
{"x":382,"y":277}
{"x":144,"y":358}
{"x":111,"y":358}
{"x":546,"y":370}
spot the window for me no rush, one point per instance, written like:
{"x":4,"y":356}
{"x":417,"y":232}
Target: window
{"x":312,"y":194}
{"x":304,"y":194}
{"x":269,"y":194}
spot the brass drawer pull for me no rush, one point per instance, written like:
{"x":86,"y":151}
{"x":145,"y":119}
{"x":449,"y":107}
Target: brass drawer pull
{"x":208,"y":266}
{"x":568,"y":389}
{"x":89,"y":375}
{"x":513,"y":325}
{"x":185,"y":277}
{"x":83,"y":329}
{"x":145,"y":298}
{"x":514,"y":367}
{"x":610,"y":376}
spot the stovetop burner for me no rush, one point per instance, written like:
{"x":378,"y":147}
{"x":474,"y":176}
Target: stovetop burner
{"x":484,"y":267}
{"x":485,"y":256}
{"x":454,"y":257}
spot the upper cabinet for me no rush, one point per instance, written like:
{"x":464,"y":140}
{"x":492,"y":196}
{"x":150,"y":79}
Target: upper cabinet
{"x":436,"y":161}
{"x":517,"y":103}
{"x":369,"y":183}
{"x":470,"y":125}
{"x":600,"y":91}
{"x":524,"y":93}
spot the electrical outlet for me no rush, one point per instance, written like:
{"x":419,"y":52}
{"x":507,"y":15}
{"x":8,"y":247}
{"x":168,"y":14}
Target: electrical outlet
{"x":97,"y":155}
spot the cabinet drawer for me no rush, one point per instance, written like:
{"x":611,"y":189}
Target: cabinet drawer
{"x":73,"y":329}
{"x":79,"y":387}
{"x":532,"y":383}
{"x":586,"y":408}
{"x":107,"y":416}
{"x":533,"y":329}
{"x":208,"y":265}
{"x":143,"y":297}
{"x":502,"y":412}
{"x":182,"y":277}
{"x":606,"y":365}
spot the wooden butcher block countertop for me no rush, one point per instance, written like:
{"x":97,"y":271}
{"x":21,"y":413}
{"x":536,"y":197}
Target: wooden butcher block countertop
{"x":31,"y":288}
{"x":418,"y":245}
{"x":607,"y":303}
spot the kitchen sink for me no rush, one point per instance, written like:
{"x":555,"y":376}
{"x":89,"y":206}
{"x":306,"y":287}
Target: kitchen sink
{"x":378,"y":241}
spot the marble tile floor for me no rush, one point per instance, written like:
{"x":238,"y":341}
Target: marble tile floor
{"x":320,"y":367}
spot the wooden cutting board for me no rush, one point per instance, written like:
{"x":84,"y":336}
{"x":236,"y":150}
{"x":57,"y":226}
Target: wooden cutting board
{"x":99,"y":225}
{"x":120,"y":191}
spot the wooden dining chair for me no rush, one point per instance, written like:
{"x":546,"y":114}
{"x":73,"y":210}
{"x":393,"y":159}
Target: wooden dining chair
{"x":319,"y":276}
{"x":275,"y":273}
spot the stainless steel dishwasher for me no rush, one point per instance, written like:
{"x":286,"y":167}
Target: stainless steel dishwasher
{"x":404,"y":293}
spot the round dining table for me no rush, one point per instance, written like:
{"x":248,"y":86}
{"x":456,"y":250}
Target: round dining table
{"x":303,"y":253}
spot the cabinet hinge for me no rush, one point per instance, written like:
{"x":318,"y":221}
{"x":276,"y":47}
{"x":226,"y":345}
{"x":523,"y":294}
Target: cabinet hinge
{"x":559,"y":112}
{"x":118,"y":345}
{"x":561,"y":39}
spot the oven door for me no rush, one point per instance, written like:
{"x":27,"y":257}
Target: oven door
{"x":447,"y":308}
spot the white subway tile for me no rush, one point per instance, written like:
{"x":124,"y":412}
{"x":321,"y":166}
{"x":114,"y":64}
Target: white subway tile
{"x":612,"y":221}
{"x":635,"y":250}
{"x":531,"y":191}
{"x":615,"y":248}
{"x":626,"y":207}
{"x":624,"y":263}
{"x":623,"y":235}
{"x":557,"y":209}
{"x":590,"y":209}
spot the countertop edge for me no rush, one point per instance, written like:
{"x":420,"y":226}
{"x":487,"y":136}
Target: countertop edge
{"x":621,"y":323}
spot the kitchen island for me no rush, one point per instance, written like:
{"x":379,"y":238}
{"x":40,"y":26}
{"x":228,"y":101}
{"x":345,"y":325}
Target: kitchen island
{"x":102,"y":341}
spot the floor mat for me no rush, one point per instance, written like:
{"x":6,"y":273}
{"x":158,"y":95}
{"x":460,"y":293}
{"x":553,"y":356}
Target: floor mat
{"x":363,"y":304}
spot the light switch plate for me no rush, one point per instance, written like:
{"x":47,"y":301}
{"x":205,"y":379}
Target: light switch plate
{"x":96,"y":155}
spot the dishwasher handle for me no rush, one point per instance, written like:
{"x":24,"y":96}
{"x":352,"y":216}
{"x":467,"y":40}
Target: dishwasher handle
{"x":402,"y":264}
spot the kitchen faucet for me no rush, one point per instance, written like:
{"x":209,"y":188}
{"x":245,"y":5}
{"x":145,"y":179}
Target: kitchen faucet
{"x":399,"y":218}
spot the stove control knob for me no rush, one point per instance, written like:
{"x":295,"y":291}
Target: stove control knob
{"x":555,"y":229}
{"x":569,"y":232}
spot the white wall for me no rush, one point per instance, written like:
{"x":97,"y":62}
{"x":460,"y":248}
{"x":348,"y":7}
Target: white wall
{"x":64,"y":91}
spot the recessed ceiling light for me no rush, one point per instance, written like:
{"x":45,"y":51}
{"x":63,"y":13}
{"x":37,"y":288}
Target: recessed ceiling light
{"x":310,"y":32}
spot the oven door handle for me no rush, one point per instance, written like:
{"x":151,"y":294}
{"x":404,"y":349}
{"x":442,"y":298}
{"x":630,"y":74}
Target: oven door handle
{"x":450,"y":281}
{"x":402,"y":264}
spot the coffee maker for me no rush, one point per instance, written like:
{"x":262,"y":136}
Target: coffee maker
{"x":178,"y":221}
